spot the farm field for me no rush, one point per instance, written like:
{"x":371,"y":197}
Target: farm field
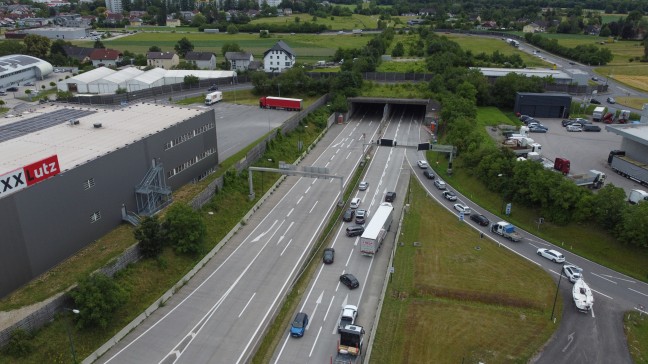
{"x":355,"y":21}
{"x":489,"y":45}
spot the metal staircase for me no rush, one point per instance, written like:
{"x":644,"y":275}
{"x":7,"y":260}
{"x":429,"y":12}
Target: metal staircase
{"x":152,"y":194}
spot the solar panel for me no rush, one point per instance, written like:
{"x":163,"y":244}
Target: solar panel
{"x":40,"y":122}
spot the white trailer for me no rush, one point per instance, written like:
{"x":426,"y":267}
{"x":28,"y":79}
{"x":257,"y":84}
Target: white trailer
{"x":598,"y":113}
{"x":213,"y":97}
{"x":375,"y":232}
{"x":637,"y":196}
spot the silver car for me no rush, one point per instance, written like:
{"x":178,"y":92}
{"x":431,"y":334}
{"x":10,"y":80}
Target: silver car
{"x":572,"y":272}
{"x":552,"y":255}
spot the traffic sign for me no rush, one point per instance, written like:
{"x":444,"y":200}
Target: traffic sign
{"x":508,"y":208}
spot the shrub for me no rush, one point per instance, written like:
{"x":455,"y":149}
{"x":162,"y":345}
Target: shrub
{"x":97,"y":297}
{"x":19,"y":344}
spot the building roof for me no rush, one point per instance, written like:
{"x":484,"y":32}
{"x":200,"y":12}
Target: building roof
{"x":90,"y":76}
{"x":634,"y":132}
{"x":78,"y":53}
{"x":238,"y":56}
{"x":255,"y":65}
{"x":280,"y":46}
{"x":199,"y":56}
{"x":122,"y":75}
{"x":151,"y":76}
{"x":528,"y":72}
{"x":78,"y":144}
{"x":101,"y":54}
{"x":16,"y":62}
{"x":160,"y":55}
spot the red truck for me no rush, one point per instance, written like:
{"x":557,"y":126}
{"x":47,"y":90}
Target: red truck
{"x":562,"y":165}
{"x":270,"y":102}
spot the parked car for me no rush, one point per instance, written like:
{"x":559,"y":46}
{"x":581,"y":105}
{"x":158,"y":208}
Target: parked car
{"x":449,"y":195}
{"x":537,"y":129}
{"x":552,"y":255}
{"x":572,"y":272}
{"x":352,"y":231}
{"x":582,"y":121}
{"x":29,"y":84}
{"x":591,"y":128}
{"x":428,"y":174}
{"x":348,"y":215}
{"x":329,"y":256}
{"x":355,"y":203}
{"x":12,"y":89}
{"x":566,"y":122}
{"x":595,"y":102}
{"x":349,"y":280}
{"x":440,"y":184}
{"x":213,"y":88}
{"x":390,"y":196}
{"x":2,"y":93}
{"x":363,"y":186}
{"x":536,"y":124}
{"x":462,"y":208}
{"x":480,"y":219}
{"x":360,"y":216}
{"x":595,"y":78}
{"x":611,"y":100}
{"x":299,"y":324}
{"x":524,"y":118}
{"x":422,"y":164}
{"x":574,"y":127}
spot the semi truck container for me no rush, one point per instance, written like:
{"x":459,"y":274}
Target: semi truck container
{"x":591,"y":179}
{"x":270,"y":102}
{"x":628,"y":167}
{"x":377,"y":229}
{"x":213,"y":97}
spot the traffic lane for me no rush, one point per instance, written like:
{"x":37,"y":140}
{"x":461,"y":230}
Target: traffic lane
{"x":581,"y":338}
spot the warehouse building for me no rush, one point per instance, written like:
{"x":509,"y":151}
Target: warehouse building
{"x":559,"y":77}
{"x":80,"y":83}
{"x":543,"y":105}
{"x":114,"y":81}
{"x":65,"y":33}
{"x":73,"y":174}
{"x":16,"y":69}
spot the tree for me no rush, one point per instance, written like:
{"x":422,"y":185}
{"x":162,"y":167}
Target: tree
{"x":232,"y":29}
{"x":230,"y":47}
{"x":149,"y":235}
{"x":183,"y":46}
{"x":57,"y":47}
{"x":155,"y":48}
{"x":191,"y":80}
{"x":198,"y":20}
{"x":184,"y":229}
{"x":37,"y":46}
{"x":608,"y":206}
{"x":399,"y":50}
{"x":634,"y":228}
{"x":98,"y":44}
{"x":97,"y":297}
{"x":8,"y":47}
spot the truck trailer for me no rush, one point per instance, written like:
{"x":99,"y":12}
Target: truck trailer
{"x":349,"y":348}
{"x":213,"y":97}
{"x":637,"y":196}
{"x":270,"y":102}
{"x":592,"y":179}
{"x":506,"y":230}
{"x":598,"y":113}
{"x":377,"y":229}
{"x":628,"y":167}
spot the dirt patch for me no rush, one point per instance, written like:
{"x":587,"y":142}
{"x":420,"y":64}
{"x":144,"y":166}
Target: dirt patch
{"x":638,"y":82}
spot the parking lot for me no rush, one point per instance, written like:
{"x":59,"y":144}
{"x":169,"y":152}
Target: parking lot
{"x":585,"y":150}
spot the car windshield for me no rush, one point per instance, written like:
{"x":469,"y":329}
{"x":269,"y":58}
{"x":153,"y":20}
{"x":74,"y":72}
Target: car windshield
{"x":298,"y":324}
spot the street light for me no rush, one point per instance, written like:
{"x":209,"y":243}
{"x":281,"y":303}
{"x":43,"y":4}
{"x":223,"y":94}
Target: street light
{"x":503,"y":194}
{"x":556,"y":296}
{"x":69,"y":334}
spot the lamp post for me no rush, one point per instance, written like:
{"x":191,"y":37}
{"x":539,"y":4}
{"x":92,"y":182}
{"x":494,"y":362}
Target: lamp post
{"x":556,"y":296}
{"x":503,"y":193}
{"x":69,"y":334}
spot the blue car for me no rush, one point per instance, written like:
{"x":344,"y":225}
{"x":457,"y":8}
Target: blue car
{"x":299,"y":324}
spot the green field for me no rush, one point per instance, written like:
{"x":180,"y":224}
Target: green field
{"x":458,"y":298}
{"x":489,"y":45}
{"x":636,"y":329}
{"x":355,"y":21}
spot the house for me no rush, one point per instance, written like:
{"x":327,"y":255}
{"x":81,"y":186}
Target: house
{"x":166,"y":60}
{"x":537,"y":26}
{"x":427,"y":12}
{"x":187,"y":15}
{"x":592,"y":30}
{"x":287,"y":11}
{"x":135,"y":21}
{"x":81,"y":54}
{"x":170,"y":22}
{"x":105,"y":57}
{"x":255,"y":66}
{"x":202,"y":60}
{"x":239,"y":61}
{"x":114,"y":18}
{"x":278,"y":58}
{"x":487,"y":25}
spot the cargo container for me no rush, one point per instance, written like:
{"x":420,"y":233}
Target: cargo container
{"x":270,"y":102}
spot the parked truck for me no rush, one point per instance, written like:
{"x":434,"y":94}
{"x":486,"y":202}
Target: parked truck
{"x":377,"y":229}
{"x":592,"y":179}
{"x":507,"y":230}
{"x":349,"y":348}
{"x":628,"y":167}
{"x":622,"y":118}
{"x":637,"y":196}
{"x":522,"y":147}
{"x":213,"y":97}
{"x":271,"y":102}
{"x":598,"y":113}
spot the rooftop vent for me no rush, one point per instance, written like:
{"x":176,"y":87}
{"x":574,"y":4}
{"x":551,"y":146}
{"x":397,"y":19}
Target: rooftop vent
{"x":74,"y":122}
{"x":97,"y":125}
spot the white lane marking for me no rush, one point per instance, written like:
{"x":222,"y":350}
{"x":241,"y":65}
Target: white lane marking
{"x":604,"y":295}
{"x":281,"y":238}
{"x":638,"y":292}
{"x":570,"y":338}
{"x":348,"y":155}
{"x":609,"y":280}
{"x":282,"y":348}
{"x":336,"y":151}
{"x":327,"y":163}
{"x":308,"y":189}
{"x":313,"y":208}
{"x":300,"y":198}
{"x":365,"y":279}
{"x":333,"y":156}
{"x":312,"y":287}
{"x":621,"y":279}
{"x":315,"y":180}
{"x":317,"y":303}
{"x":592,"y":309}
{"x":290,"y":212}
{"x":349,"y":258}
{"x":315,"y":343}
{"x":263,"y":233}
{"x":355,"y":243}
{"x":246,"y":305}
{"x":286,"y":247}
{"x":328,"y":309}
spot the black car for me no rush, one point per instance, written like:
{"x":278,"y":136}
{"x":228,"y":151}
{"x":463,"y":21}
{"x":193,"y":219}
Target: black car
{"x":595,"y":102}
{"x":591,"y":128}
{"x":390,"y":196}
{"x":349,"y":280}
{"x":13,"y":89}
{"x":329,"y":255}
{"x":428,"y":174}
{"x":354,"y":230}
{"x":213,"y":88}
{"x":480,"y":219}
{"x":348,"y":215}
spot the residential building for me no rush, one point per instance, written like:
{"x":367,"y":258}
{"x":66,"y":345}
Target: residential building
{"x":170,"y":22}
{"x":202,"y":60}
{"x":278,"y":58}
{"x":535,"y":27}
{"x":105,"y":57}
{"x":81,"y":54}
{"x":114,"y":6}
{"x":166,"y":60}
{"x":239,"y":61}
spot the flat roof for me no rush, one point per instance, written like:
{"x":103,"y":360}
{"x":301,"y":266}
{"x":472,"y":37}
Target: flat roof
{"x":635,"y":132}
{"x":528,"y":72}
{"x":78,"y":144}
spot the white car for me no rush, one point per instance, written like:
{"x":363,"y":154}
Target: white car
{"x":574,"y":128}
{"x":355,"y":203}
{"x":462,"y":208}
{"x":363,"y":186}
{"x":552,"y":255}
{"x":572,"y":272}
{"x":449,"y":195}
{"x":422,"y":164}
{"x":348,"y":316}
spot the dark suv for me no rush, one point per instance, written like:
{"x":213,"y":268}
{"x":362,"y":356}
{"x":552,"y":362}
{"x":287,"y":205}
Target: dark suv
{"x":480,"y":219}
{"x":354,"y":230}
{"x":428,"y":174}
{"x":390,"y":196}
{"x":348,"y":215}
{"x":349,"y":280}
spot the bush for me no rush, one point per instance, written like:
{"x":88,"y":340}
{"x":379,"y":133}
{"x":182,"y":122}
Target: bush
{"x":184,"y":229}
{"x":149,"y":235}
{"x":19,"y":344}
{"x":97,"y":297}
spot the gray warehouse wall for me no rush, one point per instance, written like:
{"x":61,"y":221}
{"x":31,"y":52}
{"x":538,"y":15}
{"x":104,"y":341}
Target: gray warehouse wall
{"x":48,"y":222}
{"x":635,"y":150}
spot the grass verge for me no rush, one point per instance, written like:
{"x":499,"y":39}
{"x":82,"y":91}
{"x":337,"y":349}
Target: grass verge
{"x":636,"y":329}
{"x":457,"y":297}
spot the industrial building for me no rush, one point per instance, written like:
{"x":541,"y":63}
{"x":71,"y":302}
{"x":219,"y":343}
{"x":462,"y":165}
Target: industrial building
{"x":105,"y":80}
{"x":16,"y":69}
{"x":634,"y":139}
{"x":65,"y":33}
{"x":72,"y":174}
{"x":559,"y":77}
{"x":543,"y":105}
